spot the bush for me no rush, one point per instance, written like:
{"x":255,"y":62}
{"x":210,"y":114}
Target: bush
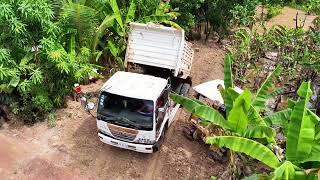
{"x":190,"y":11}
{"x":273,"y":10}
{"x":243,"y":14}
{"x":36,"y":67}
{"x":312,"y":6}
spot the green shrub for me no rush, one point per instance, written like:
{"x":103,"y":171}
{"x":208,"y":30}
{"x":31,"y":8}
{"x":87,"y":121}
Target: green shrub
{"x":273,"y":10}
{"x":43,"y":103}
{"x":312,"y":6}
{"x":39,"y":60}
{"x":243,"y":14}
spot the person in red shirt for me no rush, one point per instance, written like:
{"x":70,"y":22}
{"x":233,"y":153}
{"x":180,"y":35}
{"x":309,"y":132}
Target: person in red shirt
{"x":77,"y":92}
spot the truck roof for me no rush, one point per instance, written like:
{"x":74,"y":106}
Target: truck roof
{"x":134,"y":85}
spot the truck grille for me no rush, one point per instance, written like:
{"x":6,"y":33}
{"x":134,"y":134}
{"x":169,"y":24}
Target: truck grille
{"x":123,"y":135}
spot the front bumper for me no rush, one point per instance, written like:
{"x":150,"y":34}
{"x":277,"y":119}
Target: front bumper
{"x":143,"y":148}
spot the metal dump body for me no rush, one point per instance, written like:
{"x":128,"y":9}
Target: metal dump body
{"x":159,"y":46}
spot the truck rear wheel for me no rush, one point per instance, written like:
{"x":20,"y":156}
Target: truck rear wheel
{"x":184,"y":89}
{"x":178,"y":88}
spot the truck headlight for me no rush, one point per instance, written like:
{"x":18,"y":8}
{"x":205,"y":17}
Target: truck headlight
{"x":104,"y":132}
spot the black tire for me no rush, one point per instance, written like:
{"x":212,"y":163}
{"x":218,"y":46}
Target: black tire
{"x":178,"y":88}
{"x":161,"y":140}
{"x":184,"y":89}
{"x":1,"y":121}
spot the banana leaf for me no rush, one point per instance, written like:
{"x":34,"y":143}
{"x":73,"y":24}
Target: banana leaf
{"x":313,"y":116}
{"x":228,"y":81}
{"x":238,"y":119}
{"x":172,"y":24}
{"x":113,"y":47}
{"x":247,"y":146}
{"x":314,"y":155}
{"x":262,"y":93}
{"x":116,"y":13}
{"x":210,"y":115}
{"x":315,"y":151}
{"x":291,"y":103}
{"x":254,"y":117}
{"x":107,"y":22}
{"x":187,"y":103}
{"x":285,"y":171}
{"x":276,"y":92}
{"x":201,"y":110}
{"x":301,"y":132}
{"x":232,"y":93}
{"x":260,"y":132}
{"x":280,"y":118}
{"x":131,"y":11}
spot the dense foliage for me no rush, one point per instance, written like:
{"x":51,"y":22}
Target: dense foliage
{"x":216,"y":16}
{"x":48,"y":46}
{"x":37,"y":68}
{"x":295,"y":49}
{"x":205,"y":16}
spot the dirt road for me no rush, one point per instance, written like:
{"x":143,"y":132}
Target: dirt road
{"x":287,"y":18}
{"x":72,"y":150}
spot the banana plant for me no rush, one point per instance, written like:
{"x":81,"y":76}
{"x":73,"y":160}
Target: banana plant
{"x":302,"y":148}
{"x":243,"y":121}
{"x":115,"y":26}
{"x":243,"y":118}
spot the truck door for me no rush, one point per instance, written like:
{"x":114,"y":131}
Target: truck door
{"x":162,"y":110}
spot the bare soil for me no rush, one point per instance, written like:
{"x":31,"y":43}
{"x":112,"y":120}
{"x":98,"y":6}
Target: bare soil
{"x":72,"y":149}
{"x":286,"y":18}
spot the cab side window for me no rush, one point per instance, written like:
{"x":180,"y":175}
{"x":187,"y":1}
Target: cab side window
{"x":162,"y":105}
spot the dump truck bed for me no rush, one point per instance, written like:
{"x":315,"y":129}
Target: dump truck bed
{"x":159,"y":46}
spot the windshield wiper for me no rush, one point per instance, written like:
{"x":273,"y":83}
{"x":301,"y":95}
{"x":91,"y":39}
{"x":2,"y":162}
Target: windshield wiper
{"x":120,"y":121}
{"x":127,"y":121}
{"x":113,"y":120}
{"x":104,"y":117}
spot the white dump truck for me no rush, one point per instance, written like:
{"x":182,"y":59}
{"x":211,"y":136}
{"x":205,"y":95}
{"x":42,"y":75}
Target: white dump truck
{"x":134,"y":110}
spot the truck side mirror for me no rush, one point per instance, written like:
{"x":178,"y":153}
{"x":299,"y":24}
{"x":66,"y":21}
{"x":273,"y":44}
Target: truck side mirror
{"x":89,"y":106}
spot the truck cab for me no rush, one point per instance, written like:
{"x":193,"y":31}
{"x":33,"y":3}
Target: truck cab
{"x":134,"y":111}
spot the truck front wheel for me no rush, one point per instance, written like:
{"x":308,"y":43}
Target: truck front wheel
{"x":161,"y":140}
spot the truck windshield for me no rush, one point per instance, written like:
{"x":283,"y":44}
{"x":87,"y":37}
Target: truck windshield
{"x":125,"y":111}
